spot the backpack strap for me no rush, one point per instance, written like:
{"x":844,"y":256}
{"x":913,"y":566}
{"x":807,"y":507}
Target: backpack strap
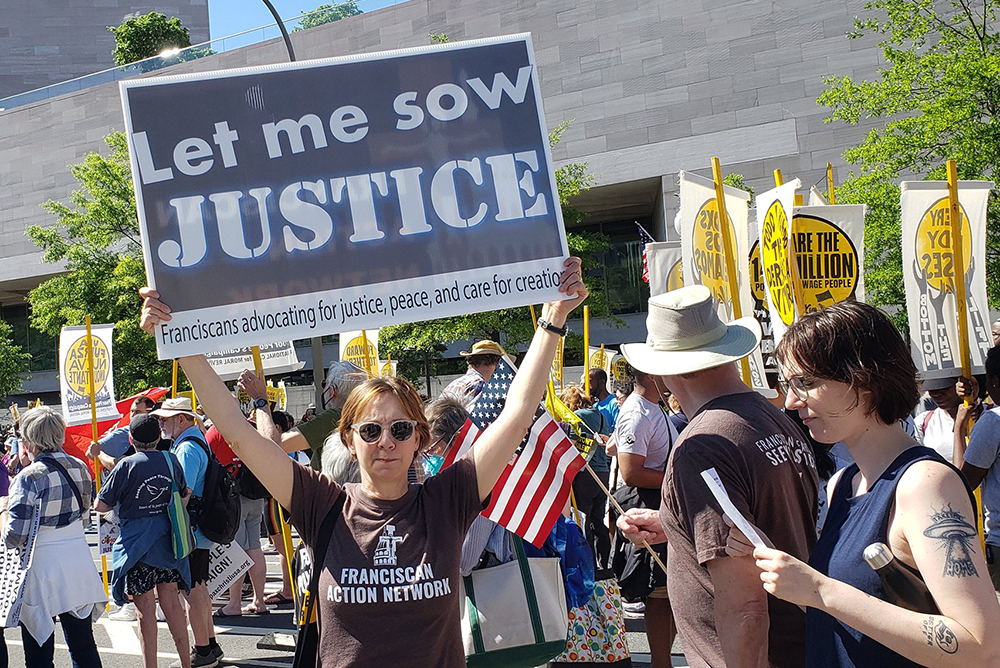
{"x":65,"y":474}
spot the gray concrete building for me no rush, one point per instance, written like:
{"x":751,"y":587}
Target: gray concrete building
{"x":44,"y":42}
{"x":651,"y":87}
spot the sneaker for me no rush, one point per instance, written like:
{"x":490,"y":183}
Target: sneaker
{"x":217,"y":652}
{"x":635,"y":610}
{"x":198,"y":661}
{"x":160,"y":617}
{"x":126,"y":613}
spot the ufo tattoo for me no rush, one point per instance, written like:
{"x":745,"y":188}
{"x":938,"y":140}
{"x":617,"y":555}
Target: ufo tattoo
{"x":954,"y":535}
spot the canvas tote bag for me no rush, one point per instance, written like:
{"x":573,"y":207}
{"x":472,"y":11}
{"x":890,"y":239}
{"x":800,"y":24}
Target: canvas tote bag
{"x":514,"y":615}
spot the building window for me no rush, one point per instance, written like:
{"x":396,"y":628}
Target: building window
{"x":621,"y":268}
{"x":40,"y":346}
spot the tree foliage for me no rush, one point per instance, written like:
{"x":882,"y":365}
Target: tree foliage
{"x":145,"y":36}
{"x":940,"y":98}
{"x":13,"y":361}
{"x":328,"y":14}
{"x":96,"y":235}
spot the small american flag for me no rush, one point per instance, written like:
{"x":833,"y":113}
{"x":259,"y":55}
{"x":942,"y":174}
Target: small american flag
{"x":534,"y":487}
{"x":645,"y":238}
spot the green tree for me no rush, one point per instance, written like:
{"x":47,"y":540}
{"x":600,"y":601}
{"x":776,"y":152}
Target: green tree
{"x":97,"y":237}
{"x":145,"y":36}
{"x":13,"y":361}
{"x":408,"y":343}
{"x":939,"y":96}
{"x":328,"y":14}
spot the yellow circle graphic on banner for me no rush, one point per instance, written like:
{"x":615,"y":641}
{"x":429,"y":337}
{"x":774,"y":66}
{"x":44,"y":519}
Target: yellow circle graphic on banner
{"x":935,"y":262}
{"x":75,"y":367}
{"x":619,"y":370}
{"x":386,"y":370}
{"x":826,"y":263}
{"x":708,"y":253}
{"x":675,"y":277}
{"x":757,"y":286}
{"x":774,"y":258}
{"x":354,"y":352}
{"x":599,"y":360}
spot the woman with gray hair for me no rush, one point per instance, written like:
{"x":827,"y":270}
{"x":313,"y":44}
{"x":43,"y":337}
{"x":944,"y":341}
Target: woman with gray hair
{"x":56,"y":491}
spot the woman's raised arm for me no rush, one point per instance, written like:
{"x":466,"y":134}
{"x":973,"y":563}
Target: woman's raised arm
{"x":266,"y":459}
{"x":498,"y":443}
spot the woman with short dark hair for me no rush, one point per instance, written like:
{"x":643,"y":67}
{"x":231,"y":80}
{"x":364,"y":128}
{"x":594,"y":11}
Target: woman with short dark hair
{"x":850,"y":376}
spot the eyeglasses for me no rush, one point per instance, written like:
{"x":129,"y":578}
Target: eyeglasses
{"x":399,"y":430}
{"x":799,"y":386}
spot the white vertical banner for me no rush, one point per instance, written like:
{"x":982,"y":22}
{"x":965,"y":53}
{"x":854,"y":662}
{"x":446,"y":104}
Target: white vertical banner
{"x":758,"y":291}
{"x":74,"y":374}
{"x":387,"y":368}
{"x":775,"y":209}
{"x":108,"y":530}
{"x":816,"y":198}
{"x":619,"y":376}
{"x":929,"y":274}
{"x":704,"y":255}
{"x":828,"y":249}
{"x":352,"y":349}
{"x":665,"y":264}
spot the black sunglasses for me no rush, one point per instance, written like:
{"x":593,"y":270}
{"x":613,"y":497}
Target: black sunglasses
{"x":399,"y":430}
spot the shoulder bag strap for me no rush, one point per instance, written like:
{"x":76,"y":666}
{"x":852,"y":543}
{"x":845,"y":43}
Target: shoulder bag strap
{"x":319,"y":554}
{"x":170,"y":467}
{"x":72,"y":483}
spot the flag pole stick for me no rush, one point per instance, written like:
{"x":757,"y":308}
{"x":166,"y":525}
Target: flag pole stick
{"x":829,"y":182}
{"x":91,"y":386}
{"x":727,"y":247}
{"x":173,"y":382}
{"x":368,"y":359}
{"x":586,"y":350}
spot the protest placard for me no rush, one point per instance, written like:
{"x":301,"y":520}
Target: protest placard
{"x":666,"y":269}
{"x":387,"y":368}
{"x":775,"y":209}
{"x":108,"y":529}
{"x":761,"y":310}
{"x":225,"y":564}
{"x":346,"y":193}
{"x":929,"y":274}
{"x":361,"y":349}
{"x":14,"y":562}
{"x":278,"y":358}
{"x":74,"y":376}
{"x":828,"y":244}
{"x":704,"y":255}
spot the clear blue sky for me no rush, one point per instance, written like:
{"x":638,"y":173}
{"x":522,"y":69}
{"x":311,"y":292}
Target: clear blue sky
{"x":228,"y":17}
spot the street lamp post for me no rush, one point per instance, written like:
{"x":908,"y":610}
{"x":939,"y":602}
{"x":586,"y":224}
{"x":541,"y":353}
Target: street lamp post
{"x":281,"y":27}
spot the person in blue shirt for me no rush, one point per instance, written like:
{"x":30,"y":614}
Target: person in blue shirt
{"x":604,"y":401}
{"x":115,"y":444}
{"x":179,"y":422}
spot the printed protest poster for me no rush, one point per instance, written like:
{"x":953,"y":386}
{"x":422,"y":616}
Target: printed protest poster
{"x":757,"y":291}
{"x":346,"y":193}
{"x":775,"y":209}
{"x":929,"y":274}
{"x":353,"y":347}
{"x":828,"y":244}
{"x":74,"y":374}
{"x":277,"y":358}
{"x":619,"y":377}
{"x":666,"y":269}
{"x":14,"y":563}
{"x":704,"y":254}
{"x":225,"y":564}
{"x":387,"y":368}
{"x":108,"y":529}
{"x":600,"y":358}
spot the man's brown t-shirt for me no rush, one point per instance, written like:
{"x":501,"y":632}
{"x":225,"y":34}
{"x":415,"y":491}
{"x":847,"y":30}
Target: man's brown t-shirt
{"x":769,"y":471}
{"x":388,"y":591}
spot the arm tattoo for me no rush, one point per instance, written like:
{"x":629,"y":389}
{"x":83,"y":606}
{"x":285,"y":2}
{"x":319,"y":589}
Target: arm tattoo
{"x":937,"y":633}
{"x":954,"y":535}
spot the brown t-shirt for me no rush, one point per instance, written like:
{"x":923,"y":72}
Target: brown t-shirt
{"x":388,"y":591}
{"x":769,"y":472}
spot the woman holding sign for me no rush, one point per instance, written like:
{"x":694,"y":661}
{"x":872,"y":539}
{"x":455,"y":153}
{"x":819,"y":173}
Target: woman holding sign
{"x":850,"y":376}
{"x":388,"y":590}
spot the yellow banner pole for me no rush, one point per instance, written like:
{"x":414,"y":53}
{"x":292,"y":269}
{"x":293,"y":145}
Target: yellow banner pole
{"x":727,"y":247}
{"x":286,"y":532}
{"x":173,"y":382}
{"x":829,"y":183}
{"x":93,"y":432}
{"x":778,"y":178}
{"x":586,"y":350}
{"x":368,"y":357}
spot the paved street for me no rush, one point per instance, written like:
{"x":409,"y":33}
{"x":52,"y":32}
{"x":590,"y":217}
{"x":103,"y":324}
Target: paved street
{"x":118,"y":642}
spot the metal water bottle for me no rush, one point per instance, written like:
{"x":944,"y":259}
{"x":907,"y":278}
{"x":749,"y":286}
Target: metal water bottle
{"x":901,"y":586}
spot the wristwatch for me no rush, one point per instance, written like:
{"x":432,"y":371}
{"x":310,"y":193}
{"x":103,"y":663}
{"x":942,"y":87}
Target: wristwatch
{"x":545,"y":324}
{"x":260,"y":403}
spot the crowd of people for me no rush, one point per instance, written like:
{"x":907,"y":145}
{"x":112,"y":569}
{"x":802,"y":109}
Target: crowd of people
{"x":854,"y":451}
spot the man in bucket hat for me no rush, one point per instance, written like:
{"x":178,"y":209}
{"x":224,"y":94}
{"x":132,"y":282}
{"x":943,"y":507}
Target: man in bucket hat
{"x":765,"y":465}
{"x":482,"y":358}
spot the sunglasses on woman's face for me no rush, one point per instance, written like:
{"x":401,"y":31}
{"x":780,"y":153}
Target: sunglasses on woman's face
{"x":371,"y":432}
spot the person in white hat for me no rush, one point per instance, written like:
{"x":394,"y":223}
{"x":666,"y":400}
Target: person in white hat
{"x":765,"y":465}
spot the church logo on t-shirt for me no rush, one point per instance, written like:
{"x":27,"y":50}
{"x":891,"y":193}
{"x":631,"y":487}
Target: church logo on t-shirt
{"x":385,"y":551}
{"x":153,"y":494}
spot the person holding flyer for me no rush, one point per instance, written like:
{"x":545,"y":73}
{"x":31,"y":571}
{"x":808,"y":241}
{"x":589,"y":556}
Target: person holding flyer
{"x":850,"y":376}
{"x":411,"y":617}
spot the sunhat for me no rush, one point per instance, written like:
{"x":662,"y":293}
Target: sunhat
{"x":685,"y":334}
{"x":177,"y":406}
{"x":485,"y":347}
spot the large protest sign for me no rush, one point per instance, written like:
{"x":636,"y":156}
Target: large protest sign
{"x":74,"y":374}
{"x":775,"y":209}
{"x":225,"y":564}
{"x":346,"y":193}
{"x":277,"y":358}
{"x":361,"y":349}
{"x":14,"y":563}
{"x":704,"y":255}
{"x":828,"y":244}
{"x":929,"y":274}
{"x":666,"y":270}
